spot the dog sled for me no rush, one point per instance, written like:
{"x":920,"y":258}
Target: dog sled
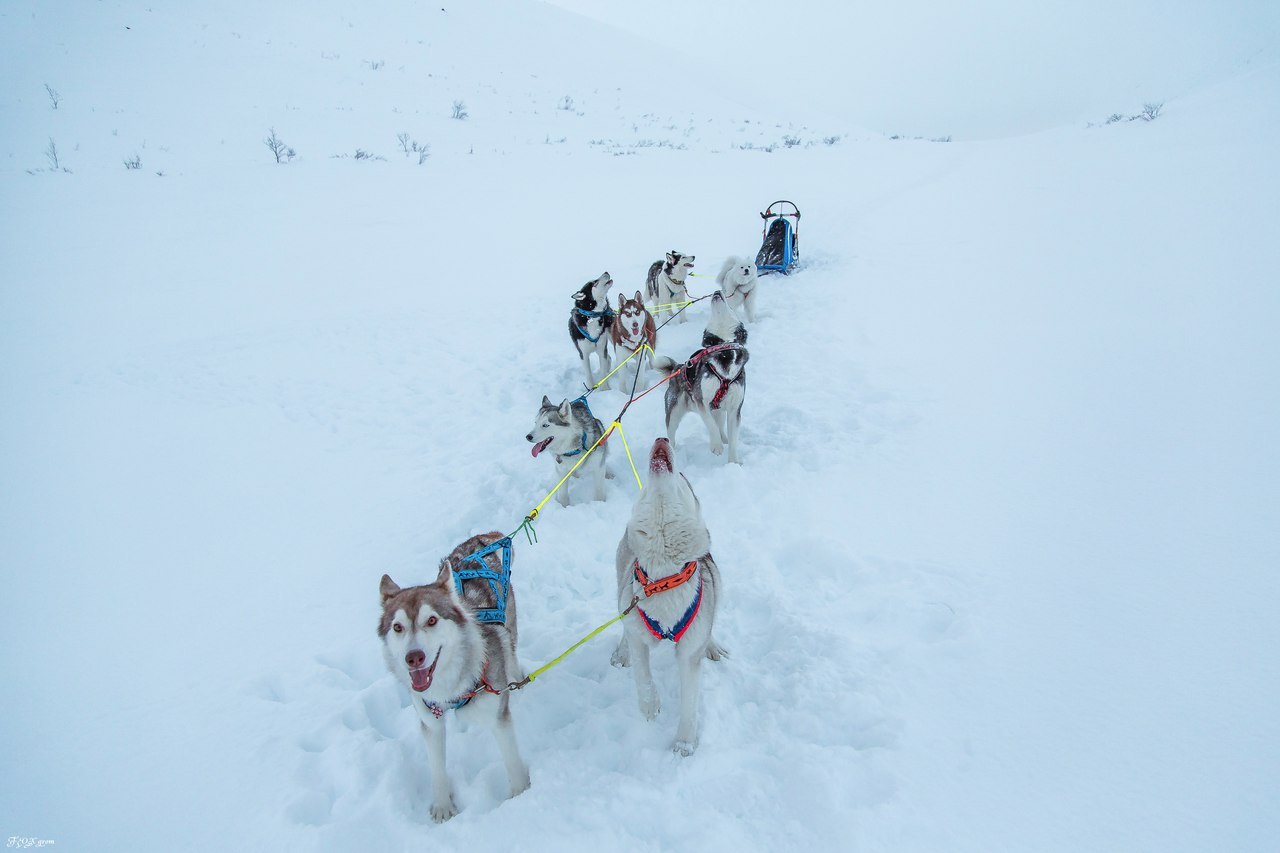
{"x":780,"y":251}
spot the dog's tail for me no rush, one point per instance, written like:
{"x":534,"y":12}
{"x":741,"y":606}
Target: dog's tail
{"x":729,"y":263}
{"x":666,"y":364}
{"x":651,"y":282}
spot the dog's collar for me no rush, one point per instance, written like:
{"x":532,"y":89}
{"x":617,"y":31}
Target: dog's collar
{"x":579,"y":450}
{"x":652,"y":588}
{"x":482,"y":685}
{"x":607,"y":312}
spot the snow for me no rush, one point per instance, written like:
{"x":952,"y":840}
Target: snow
{"x":999,"y":564}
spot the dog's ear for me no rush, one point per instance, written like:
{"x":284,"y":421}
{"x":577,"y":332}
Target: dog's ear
{"x":388,"y":588}
{"x":638,"y":299}
{"x":579,"y":296}
{"x":564,"y":408}
{"x":445,"y":577}
{"x":622,"y":302}
{"x":672,"y":255}
{"x":546,"y":402}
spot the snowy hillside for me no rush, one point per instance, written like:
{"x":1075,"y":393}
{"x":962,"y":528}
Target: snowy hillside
{"x":999,"y":562}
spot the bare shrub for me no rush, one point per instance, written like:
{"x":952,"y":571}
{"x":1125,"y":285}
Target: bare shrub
{"x":54,"y":97}
{"x":459,"y":110}
{"x":283,"y":153}
{"x":134,"y":162}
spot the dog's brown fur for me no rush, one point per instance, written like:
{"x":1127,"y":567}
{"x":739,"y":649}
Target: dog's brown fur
{"x":622,"y":328}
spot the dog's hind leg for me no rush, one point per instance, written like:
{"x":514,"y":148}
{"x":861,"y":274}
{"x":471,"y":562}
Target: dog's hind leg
{"x":734,"y":419}
{"x":505,"y":734}
{"x":442,"y":807}
{"x":687,"y":731}
{"x":598,"y":477}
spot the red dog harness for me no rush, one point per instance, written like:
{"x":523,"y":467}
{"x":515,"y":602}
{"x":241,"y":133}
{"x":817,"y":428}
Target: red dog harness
{"x":664,"y":585}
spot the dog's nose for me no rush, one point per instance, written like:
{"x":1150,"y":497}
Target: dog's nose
{"x":529,"y":437}
{"x":416,"y":658}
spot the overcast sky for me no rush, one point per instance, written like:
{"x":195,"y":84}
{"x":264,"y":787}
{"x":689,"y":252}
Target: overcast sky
{"x":973,"y":69}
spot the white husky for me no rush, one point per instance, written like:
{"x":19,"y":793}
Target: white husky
{"x":664,"y":560}
{"x":435,"y":644}
{"x":737,"y":281}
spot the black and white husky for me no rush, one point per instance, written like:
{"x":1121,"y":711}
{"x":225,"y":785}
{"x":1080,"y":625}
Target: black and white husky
{"x":737,"y":281}
{"x":450,"y":661}
{"x":567,"y":431}
{"x":713,"y":382}
{"x":589,"y":324}
{"x":664,"y":560}
{"x":665,"y":284}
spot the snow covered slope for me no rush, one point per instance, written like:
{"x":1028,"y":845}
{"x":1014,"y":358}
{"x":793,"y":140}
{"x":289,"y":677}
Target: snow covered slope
{"x":999,"y":562}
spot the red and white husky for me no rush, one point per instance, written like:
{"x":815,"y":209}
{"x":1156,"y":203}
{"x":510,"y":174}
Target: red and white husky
{"x":633,"y":328}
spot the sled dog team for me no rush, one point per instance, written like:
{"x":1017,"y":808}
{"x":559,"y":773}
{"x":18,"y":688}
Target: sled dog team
{"x":437,"y":639}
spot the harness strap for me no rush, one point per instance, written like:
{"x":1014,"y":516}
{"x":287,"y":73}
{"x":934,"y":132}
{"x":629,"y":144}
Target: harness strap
{"x":677,"y":630}
{"x":718,"y":398}
{"x":580,"y":449}
{"x":652,"y":588}
{"x":481,"y":686}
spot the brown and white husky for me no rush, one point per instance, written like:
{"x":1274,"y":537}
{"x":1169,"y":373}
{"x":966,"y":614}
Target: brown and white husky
{"x":452,"y":662}
{"x":633,"y":328}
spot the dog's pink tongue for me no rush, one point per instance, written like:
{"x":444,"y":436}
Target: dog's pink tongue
{"x":660,"y":456}
{"x":421,"y":678}
{"x":540,"y":446}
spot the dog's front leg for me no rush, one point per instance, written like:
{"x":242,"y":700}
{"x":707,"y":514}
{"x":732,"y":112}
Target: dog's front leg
{"x":622,"y":654}
{"x":749,"y":301}
{"x":646,"y":690}
{"x":606,"y":362}
{"x":562,"y":496}
{"x":714,"y":434}
{"x":687,"y":731}
{"x":599,"y":479}
{"x":505,"y":733}
{"x":442,"y":807}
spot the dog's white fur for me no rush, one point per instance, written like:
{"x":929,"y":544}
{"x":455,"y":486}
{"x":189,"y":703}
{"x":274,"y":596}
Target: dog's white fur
{"x":665,"y":532}
{"x":426,"y":620}
{"x":738,"y":282}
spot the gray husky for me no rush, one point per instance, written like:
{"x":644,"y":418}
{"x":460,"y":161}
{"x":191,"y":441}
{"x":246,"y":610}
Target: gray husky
{"x":568,"y":431}
{"x":664,"y":560}
{"x":590,"y":326}
{"x":435,"y":646}
{"x":665,"y":284}
{"x":713,"y":382}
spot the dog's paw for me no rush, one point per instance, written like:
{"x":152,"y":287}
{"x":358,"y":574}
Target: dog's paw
{"x":683,"y":748}
{"x":442,"y":811}
{"x":717,"y":448}
{"x":622,"y":654}
{"x":520,"y":784}
{"x":715,"y":651}
{"x":608,"y":475}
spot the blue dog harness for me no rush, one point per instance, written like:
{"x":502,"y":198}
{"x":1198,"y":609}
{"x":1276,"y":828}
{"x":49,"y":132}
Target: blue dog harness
{"x":499,"y":582}
{"x":608,"y":312}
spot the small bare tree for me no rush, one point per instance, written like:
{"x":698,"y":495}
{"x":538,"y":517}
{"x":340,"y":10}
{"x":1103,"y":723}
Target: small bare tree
{"x":282,"y":152}
{"x":51,"y":154}
{"x":459,"y":110}
{"x":134,"y":162}
{"x":54,"y":97}
{"x":1150,"y":111}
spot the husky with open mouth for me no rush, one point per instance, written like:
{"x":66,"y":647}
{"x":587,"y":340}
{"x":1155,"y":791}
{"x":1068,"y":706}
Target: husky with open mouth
{"x":566,"y":432}
{"x":452,"y":662}
{"x":665,"y":284}
{"x":633,"y":328}
{"x":664,"y":561}
{"x":590,"y":320}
